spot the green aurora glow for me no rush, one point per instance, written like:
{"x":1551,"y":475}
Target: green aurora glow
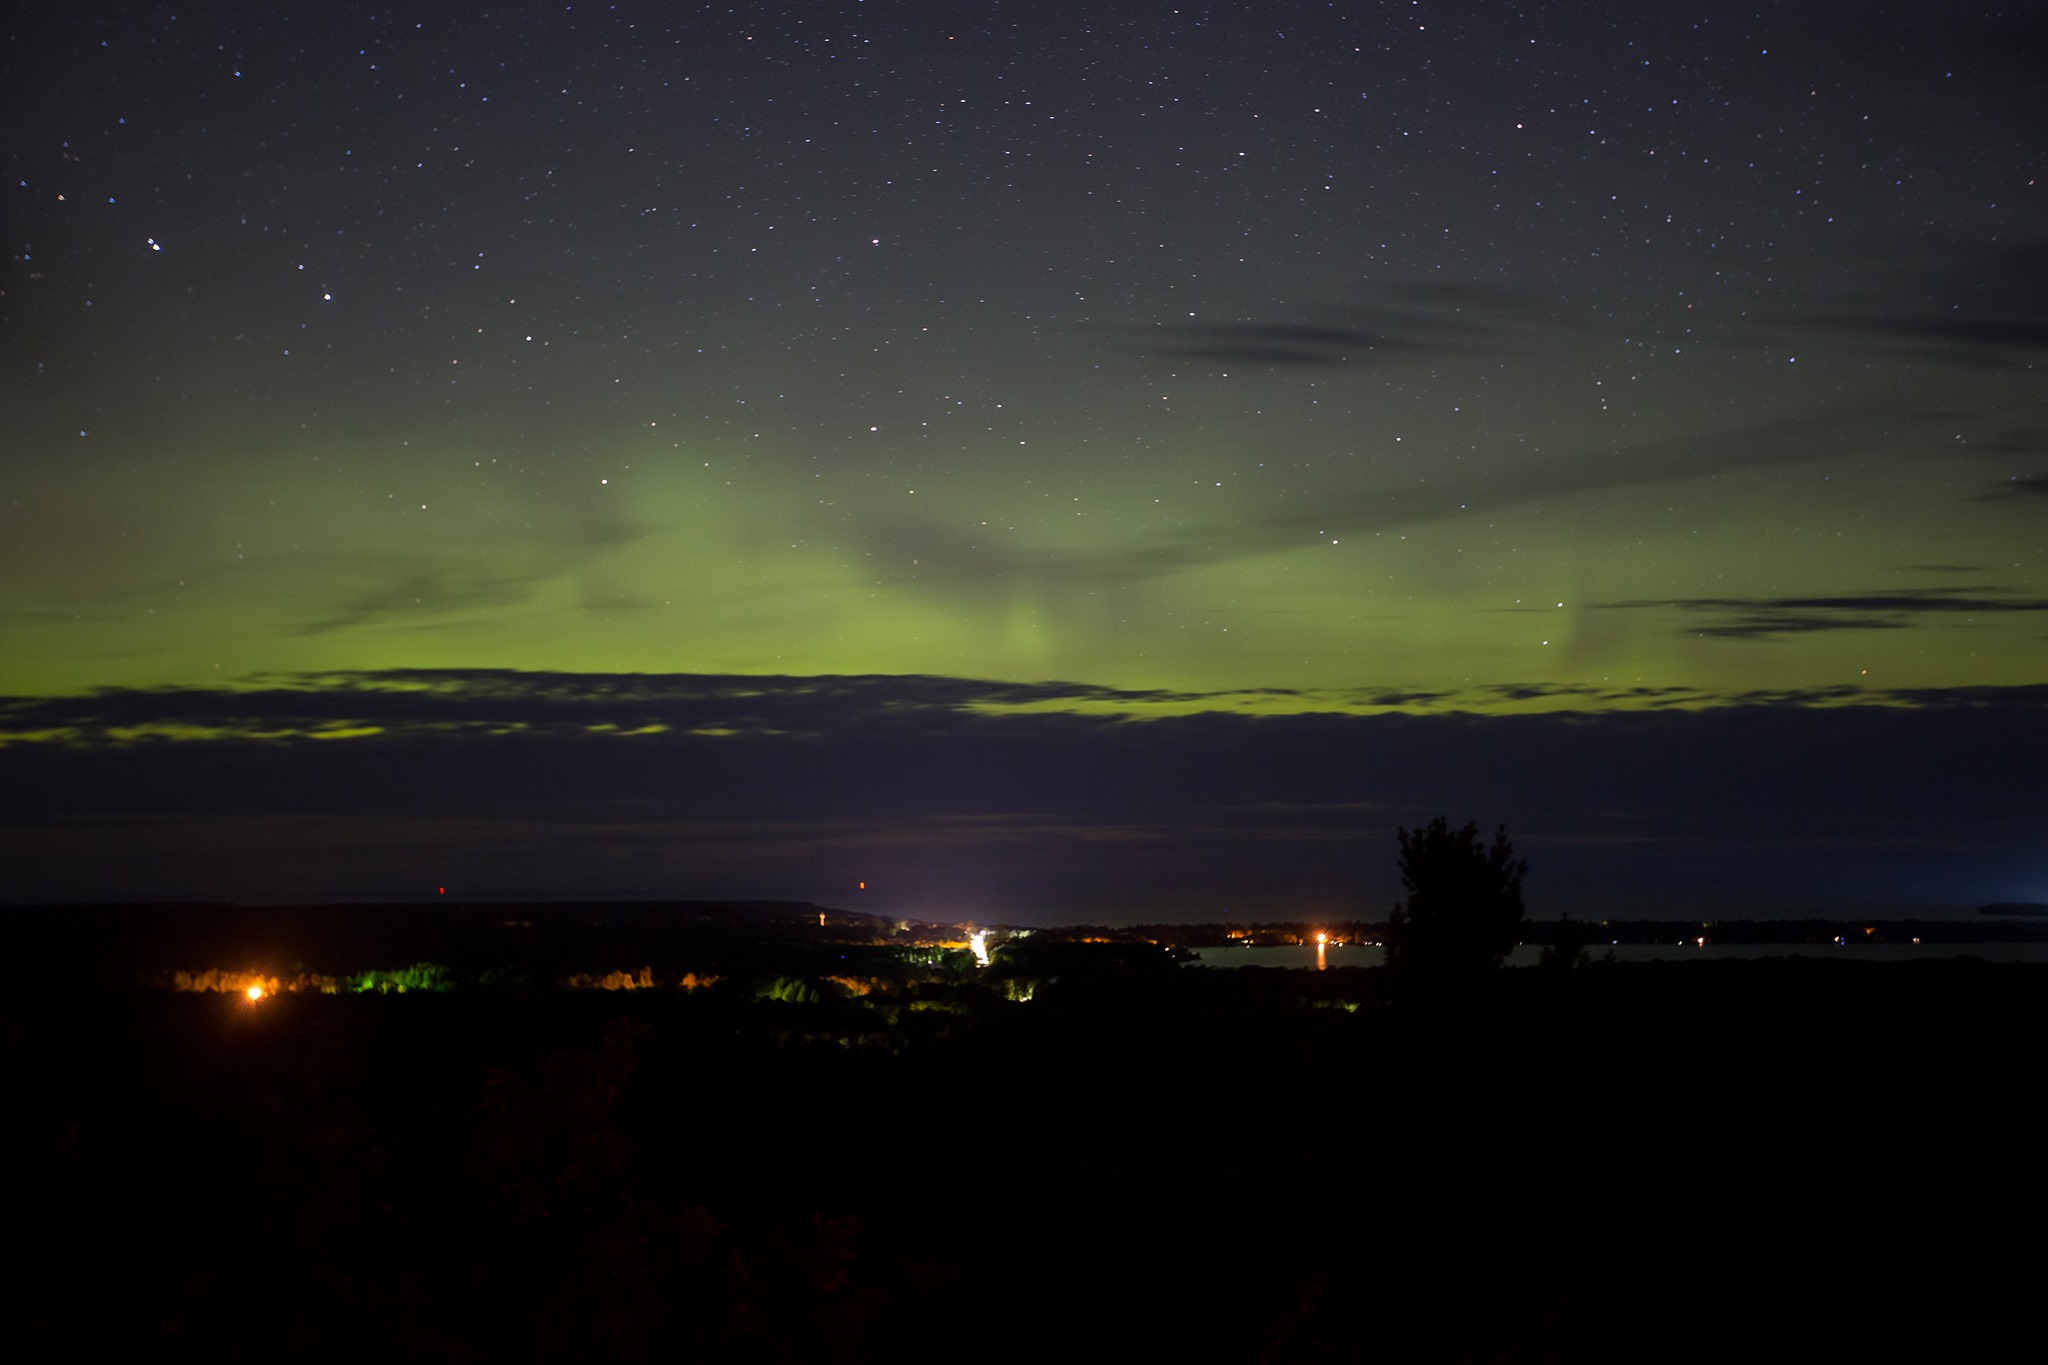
{"x":1275,"y":548}
{"x":1583,"y":352}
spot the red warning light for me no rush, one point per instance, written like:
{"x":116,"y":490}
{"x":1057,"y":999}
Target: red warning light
{"x":442,"y":889}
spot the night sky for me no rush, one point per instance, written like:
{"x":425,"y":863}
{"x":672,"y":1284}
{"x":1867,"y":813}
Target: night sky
{"x":1046,"y":461}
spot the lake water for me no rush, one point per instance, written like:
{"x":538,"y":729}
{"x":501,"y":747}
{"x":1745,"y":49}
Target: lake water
{"x":1365,"y":955}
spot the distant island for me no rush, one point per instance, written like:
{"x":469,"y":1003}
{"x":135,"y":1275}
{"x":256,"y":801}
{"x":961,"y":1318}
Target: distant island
{"x":2036,"y":909}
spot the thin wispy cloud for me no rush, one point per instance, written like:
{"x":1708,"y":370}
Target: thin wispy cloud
{"x":1421,"y":319}
{"x":1982,"y":304}
{"x":2030,"y":486}
{"x":954,"y":560}
{"x":1771,"y":618}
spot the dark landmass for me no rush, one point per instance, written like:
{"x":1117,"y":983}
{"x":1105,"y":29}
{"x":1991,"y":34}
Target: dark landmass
{"x":2030,"y":908}
{"x":536,"y":942}
{"x":790,"y":1142}
{"x":504,"y":941}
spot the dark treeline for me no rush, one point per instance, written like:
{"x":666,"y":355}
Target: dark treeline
{"x":1079,"y":1152}
{"x":511,"y":941}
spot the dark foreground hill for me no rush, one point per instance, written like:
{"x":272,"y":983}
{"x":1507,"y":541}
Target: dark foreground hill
{"x":1706,"y":1161}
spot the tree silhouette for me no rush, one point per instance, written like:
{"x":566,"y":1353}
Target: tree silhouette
{"x":1566,"y":950}
{"x":1464,"y":904}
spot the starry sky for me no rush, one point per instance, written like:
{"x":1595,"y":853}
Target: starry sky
{"x":1043,"y":460}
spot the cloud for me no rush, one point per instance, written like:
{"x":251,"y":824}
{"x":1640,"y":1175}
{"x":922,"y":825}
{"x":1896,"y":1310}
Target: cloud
{"x":971,"y":562}
{"x":423,"y":587}
{"x":2022,"y":440}
{"x":425,"y":595}
{"x":1291,"y":343}
{"x":1766,"y":618}
{"x":1417,"y":319}
{"x":2030,"y":486}
{"x":490,"y":701}
{"x":1981,"y":304}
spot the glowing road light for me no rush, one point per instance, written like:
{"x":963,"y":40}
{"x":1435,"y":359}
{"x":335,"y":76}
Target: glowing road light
{"x":253,"y":993}
{"x":978,"y":941}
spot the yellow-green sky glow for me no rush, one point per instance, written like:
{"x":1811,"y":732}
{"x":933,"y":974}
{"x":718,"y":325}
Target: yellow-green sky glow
{"x":361,"y":547}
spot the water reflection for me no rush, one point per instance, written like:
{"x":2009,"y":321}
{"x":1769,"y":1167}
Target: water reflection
{"x":1317,"y":955}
